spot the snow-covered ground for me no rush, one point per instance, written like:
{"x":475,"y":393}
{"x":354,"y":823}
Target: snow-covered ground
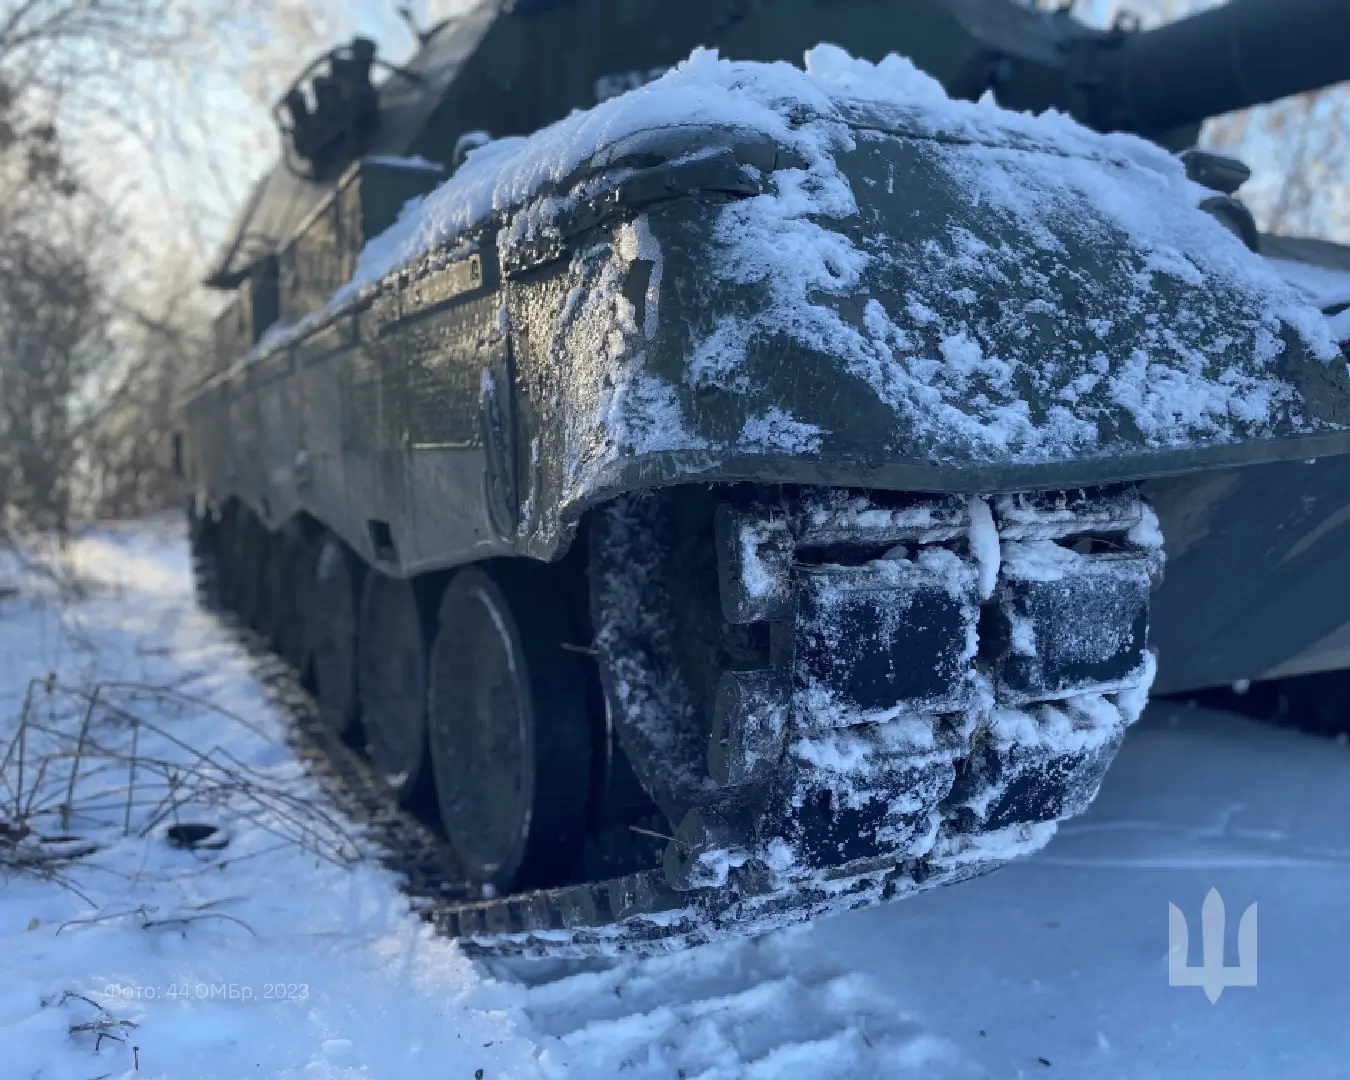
{"x":277,"y":957}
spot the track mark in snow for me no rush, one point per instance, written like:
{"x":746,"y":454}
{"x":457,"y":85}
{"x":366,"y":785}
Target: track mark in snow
{"x":772,"y":1008}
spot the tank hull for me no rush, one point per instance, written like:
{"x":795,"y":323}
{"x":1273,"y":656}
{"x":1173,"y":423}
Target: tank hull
{"x":821,"y":439}
{"x":921,"y":337}
{"x":479,"y":404}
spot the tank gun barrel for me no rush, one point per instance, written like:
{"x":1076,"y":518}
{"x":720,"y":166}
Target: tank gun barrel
{"x":1240,"y":54}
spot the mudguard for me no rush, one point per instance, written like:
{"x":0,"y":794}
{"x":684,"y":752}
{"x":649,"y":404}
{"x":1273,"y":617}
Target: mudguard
{"x":890,"y":301}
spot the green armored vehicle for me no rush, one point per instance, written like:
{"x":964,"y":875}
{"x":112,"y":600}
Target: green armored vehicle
{"x":743,"y":498}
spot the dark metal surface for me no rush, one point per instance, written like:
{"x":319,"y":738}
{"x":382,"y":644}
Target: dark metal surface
{"x":333,"y":611}
{"x":460,"y":354}
{"x":1258,"y":573}
{"x":510,"y":734}
{"x":1240,"y":53}
{"x":392,"y":682}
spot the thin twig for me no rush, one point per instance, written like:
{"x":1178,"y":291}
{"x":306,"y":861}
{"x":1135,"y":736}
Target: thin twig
{"x":650,"y":832}
{"x":37,"y":787}
{"x":22,"y":740}
{"x":75,"y":763}
{"x":185,"y":919}
{"x":131,"y":775}
{"x":142,"y":911}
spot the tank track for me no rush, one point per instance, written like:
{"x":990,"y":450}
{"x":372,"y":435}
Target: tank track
{"x":901,"y":693}
{"x":403,"y":843}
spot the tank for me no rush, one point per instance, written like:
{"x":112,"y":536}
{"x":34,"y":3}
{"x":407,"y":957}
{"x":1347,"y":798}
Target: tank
{"x":744,"y":497}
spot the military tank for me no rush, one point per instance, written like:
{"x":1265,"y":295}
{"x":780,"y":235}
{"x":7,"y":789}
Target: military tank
{"x":743,"y":497}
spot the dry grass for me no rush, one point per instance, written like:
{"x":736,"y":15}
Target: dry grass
{"x":85,"y":767}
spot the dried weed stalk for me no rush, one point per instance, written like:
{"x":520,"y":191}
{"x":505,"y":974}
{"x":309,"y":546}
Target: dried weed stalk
{"x":85,"y":767}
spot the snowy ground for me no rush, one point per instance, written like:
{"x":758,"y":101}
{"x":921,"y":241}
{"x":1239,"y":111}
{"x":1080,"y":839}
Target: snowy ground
{"x":275,"y":957}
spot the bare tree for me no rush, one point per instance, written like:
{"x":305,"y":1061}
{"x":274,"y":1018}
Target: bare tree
{"x":53,"y":334}
{"x":120,"y":144}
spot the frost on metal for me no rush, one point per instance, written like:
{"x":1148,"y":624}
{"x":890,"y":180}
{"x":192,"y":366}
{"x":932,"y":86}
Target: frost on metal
{"x":761,"y":577}
{"x":777,"y":430}
{"x":848,"y":621}
{"x":834,"y":516}
{"x":614,"y":406}
{"x":984,"y":545}
{"x":655,"y":707}
{"x":984,"y":287}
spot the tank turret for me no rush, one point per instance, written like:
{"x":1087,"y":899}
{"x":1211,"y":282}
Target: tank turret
{"x":1160,"y":83}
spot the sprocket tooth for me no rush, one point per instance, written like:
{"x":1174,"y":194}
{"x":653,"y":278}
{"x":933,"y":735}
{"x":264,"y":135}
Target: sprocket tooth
{"x":1054,"y":515}
{"x":755,"y":551}
{"x":1036,"y":765}
{"x":750,"y":715}
{"x":707,"y":843}
{"x":1065,"y":623}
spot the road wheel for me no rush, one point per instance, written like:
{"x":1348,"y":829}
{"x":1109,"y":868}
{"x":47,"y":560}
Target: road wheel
{"x":271,"y":585}
{"x":292,"y":582}
{"x":508,"y":726}
{"x":250,"y":559}
{"x":332,"y":625}
{"x":203,"y":544}
{"x":392,"y":681}
{"x":227,"y":557}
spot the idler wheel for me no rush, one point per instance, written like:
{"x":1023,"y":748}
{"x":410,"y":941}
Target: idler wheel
{"x":509,"y":732}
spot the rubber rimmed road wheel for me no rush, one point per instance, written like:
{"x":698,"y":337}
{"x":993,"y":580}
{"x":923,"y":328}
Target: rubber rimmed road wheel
{"x":270,"y":587}
{"x":332,"y":624}
{"x":509,"y":731}
{"x":227,"y":558}
{"x":392,"y":681}
{"x":251,"y":544}
{"x":293,"y":580}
